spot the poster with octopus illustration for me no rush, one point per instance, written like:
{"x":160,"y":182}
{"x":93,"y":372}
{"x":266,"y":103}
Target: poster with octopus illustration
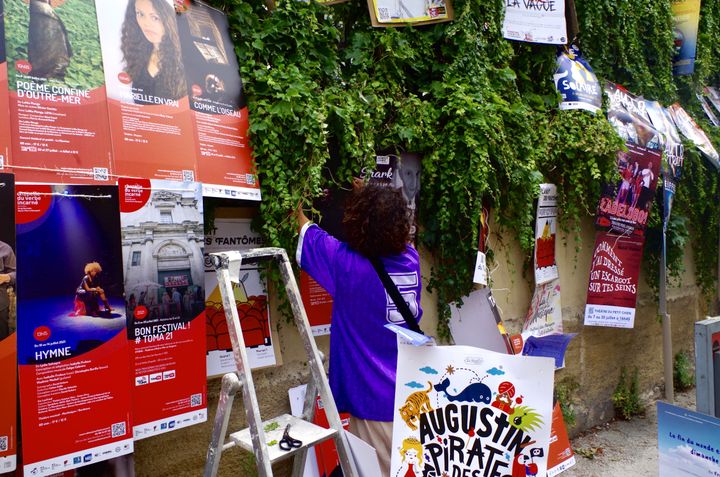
{"x":250,"y":297}
{"x":464,"y":411}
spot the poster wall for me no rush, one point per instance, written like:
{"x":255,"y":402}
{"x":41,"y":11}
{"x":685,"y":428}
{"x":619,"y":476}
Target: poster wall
{"x":403,"y":12}
{"x":4,"y":93}
{"x":220,"y":116}
{"x":612,"y":291}
{"x":58,"y":108}
{"x":465,"y":411}
{"x":251,"y":299}
{"x":687,"y":442}
{"x":162,"y":239}
{"x":686,"y":15}
{"x":148,"y":104}
{"x":535,"y":21}
{"x":71,"y":334}
{"x":8,"y":354}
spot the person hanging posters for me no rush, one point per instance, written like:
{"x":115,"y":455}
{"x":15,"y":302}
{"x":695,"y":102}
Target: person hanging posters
{"x":225,"y":164}
{"x":625,"y":205}
{"x":468,"y":411}
{"x":535,"y":21}
{"x":162,"y":237}
{"x":612,"y":291}
{"x":576,"y":82}
{"x":385,"y":13}
{"x":687,"y":442}
{"x":58,"y":108}
{"x":5,"y":139}
{"x":8,"y":354}
{"x":686,"y":15}
{"x":545,"y":231}
{"x":71,"y":335}
{"x":147,"y":93}
{"x":689,"y":128}
{"x":251,"y":299}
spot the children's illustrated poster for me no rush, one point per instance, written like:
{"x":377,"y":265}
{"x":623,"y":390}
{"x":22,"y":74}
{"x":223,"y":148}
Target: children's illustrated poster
{"x":162,"y":242}
{"x":403,"y":12}
{"x":251,"y":299}
{"x":467,"y":411}
{"x":612,"y":291}
{"x":8,"y":354}
{"x":545,"y":232}
{"x":535,"y":21}
{"x":71,"y":334}
{"x":225,"y":165}
{"x":545,"y":314}
{"x":686,"y":15}
{"x":4,"y":99}
{"x":148,"y":103}
{"x":687,"y":442}
{"x":58,"y":107}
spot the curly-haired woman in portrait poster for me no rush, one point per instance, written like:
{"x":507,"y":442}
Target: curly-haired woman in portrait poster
{"x":151,"y":51}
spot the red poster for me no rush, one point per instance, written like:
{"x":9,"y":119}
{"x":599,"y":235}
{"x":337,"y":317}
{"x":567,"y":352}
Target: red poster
{"x":225,"y":164}
{"x":71,"y":334}
{"x":318,"y":304}
{"x":326,"y":454}
{"x":147,"y":95}
{"x":625,"y":205}
{"x":560,"y":453}
{"x":612,"y":291}
{"x":58,"y":109}
{"x":162,"y":236}
{"x":8,"y":354}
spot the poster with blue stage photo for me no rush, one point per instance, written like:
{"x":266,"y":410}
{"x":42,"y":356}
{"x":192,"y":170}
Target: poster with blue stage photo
{"x":72,"y":346}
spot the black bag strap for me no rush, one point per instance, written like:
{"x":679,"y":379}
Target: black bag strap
{"x":394,"y":293}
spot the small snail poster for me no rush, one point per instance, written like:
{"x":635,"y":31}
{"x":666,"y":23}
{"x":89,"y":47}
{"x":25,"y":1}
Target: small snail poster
{"x":465,"y":411}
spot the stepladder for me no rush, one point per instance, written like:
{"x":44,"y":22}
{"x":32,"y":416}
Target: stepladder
{"x":284,"y":436}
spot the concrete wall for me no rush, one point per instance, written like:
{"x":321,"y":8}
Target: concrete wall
{"x":593,"y":360}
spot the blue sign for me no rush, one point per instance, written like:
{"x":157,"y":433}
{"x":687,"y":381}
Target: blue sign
{"x":576,"y":82}
{"x":688,"y":442}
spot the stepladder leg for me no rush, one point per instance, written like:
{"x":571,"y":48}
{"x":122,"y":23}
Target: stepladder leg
{"x":230,"y":386}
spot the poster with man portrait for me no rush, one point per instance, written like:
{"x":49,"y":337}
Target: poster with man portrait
{"x":58,"y":109}
{"x":162,"y":242}
{"x":71,"y":329}
{"x":148,"y":103}
{"x":220,"y":115}
{"x":8,"y":348}
{"x":461,"y":410}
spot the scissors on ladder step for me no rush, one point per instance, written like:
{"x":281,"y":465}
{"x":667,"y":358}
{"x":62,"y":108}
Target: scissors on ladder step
{"x":288,"y":443}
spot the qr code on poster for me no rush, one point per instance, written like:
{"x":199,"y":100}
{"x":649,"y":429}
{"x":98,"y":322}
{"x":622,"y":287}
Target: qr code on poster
{"x":118,"y":429}
{"x":100,"y":173}
{"x":196,"y":400}
{"x":383,"y":13}
{"x":188,"y":176}
{"x":3,"y":443}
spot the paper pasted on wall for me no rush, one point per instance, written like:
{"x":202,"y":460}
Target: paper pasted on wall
{"x":404,"y":12}
{"x":251,"y":300}
{"x":461,"y":410}
{"x":162,"y":237}
{"x":535,"y":21}
{"x":72,"y":345}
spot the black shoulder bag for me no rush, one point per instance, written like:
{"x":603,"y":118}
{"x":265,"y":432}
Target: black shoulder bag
{"x":392,"y":289}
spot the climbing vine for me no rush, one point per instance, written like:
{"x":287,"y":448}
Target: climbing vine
{"x":326,"y":91}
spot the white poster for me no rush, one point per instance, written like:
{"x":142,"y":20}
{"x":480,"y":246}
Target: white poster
{"x":545,"y":232}
{"x":463,"y":411}
{"x":250,"y":296}
{"x":535,"y":21}
{"x":545,"y":314}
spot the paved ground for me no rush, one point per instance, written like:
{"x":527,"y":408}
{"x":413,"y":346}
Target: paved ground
{"x":622,"y":448}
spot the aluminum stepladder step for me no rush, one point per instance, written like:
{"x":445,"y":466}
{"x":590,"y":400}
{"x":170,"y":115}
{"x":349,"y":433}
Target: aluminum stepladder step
{"x":255,"y":438}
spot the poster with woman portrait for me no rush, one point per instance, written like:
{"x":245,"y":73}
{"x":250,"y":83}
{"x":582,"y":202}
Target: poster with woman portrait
{"x":147,"y":94}
{"x":8,"y":354}
{"x":465,"y":411}
{"x":58,"y":108}
{"x":71,"y":331}
{"x":225,"y":164}
{"x":162,"y":248}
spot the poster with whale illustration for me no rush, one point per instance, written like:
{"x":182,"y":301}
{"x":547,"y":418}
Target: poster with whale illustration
{"x":465,"y":411}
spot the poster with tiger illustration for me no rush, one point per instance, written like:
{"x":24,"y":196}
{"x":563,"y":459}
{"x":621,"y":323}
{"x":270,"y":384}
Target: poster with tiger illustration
{"x":462,"y":411}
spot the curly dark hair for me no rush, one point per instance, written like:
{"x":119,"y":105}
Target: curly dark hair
{"x":377,"y":221}
{"x":137,"y":49}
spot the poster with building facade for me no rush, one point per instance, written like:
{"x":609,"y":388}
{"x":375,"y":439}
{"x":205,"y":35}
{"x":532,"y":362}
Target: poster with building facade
{"x":71,"y":329}
{"x":162,"y":240}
